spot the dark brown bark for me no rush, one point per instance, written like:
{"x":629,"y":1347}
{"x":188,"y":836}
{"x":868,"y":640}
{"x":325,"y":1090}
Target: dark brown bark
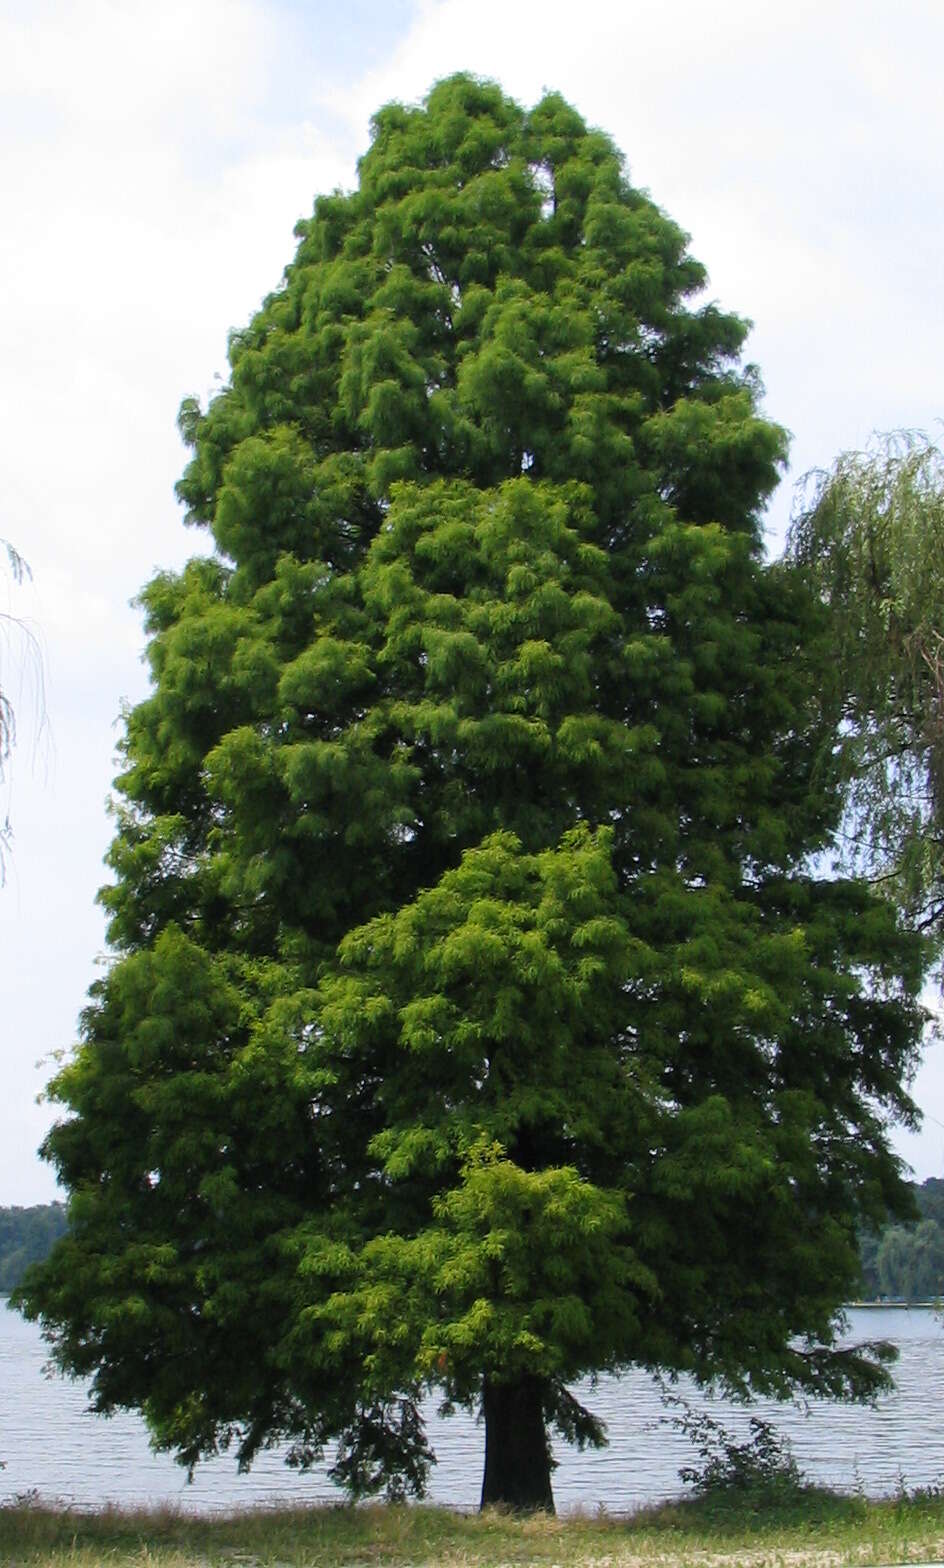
{"x":517,"y":1451}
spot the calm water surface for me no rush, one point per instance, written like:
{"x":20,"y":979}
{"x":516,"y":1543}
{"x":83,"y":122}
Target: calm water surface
{"x":50,"y":1443}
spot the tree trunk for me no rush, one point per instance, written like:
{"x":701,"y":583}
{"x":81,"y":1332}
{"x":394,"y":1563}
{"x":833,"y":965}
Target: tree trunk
{"x":517,"y":1452}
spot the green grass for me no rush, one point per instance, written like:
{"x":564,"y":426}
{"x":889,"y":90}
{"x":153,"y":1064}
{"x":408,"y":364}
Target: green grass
{"x":814,"y":1529}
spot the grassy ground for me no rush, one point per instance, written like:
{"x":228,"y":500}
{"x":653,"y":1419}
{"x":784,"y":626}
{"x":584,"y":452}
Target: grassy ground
{"x":812,"y":1530}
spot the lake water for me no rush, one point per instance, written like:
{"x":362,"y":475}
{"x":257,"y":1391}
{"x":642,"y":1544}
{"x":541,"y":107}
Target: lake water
{"x":51,"y":1444}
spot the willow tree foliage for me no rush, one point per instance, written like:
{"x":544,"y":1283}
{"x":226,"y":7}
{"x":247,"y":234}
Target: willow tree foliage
{"x":475,"y":1021}
{"x":871,"y":539}
{"x":12,"y":631}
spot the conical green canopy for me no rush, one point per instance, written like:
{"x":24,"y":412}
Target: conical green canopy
{"x":482,"y":1013}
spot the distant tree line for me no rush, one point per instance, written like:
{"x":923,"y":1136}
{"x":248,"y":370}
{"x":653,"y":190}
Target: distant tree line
{"x":900,"y":1261}
{"x":27,"y":1236}
{"x":907,"y":1261}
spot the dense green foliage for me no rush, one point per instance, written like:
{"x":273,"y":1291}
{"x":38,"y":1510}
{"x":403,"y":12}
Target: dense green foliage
{"x":27,"y":1236}
{"x":899,"y":1260}
{"x":476,"y":1021}
{"x":871,"y":540}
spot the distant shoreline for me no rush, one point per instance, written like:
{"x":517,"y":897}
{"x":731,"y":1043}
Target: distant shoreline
{"x":894,"y":1306}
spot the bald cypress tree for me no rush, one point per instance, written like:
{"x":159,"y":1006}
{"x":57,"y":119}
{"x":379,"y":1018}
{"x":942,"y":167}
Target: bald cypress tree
{"x":476,"y":1020}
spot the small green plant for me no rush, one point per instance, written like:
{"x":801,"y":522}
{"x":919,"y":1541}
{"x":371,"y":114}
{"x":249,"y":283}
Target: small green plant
{"x":918,"y":1496}
{"x":761,"y":1466}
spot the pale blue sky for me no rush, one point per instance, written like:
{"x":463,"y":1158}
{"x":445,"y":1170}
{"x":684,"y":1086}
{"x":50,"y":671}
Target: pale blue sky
{"x":154,"y":159}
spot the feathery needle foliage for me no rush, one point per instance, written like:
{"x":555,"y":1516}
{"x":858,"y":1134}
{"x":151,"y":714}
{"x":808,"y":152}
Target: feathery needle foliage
{"x":475,"y":1021}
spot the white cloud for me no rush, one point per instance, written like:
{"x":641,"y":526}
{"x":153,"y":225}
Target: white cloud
{"x":149,"y":194}
{"x":135,"y":70}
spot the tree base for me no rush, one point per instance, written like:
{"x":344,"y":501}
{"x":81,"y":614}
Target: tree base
{"x":517,"y":1452}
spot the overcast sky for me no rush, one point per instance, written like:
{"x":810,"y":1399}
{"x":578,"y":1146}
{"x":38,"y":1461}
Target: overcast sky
{"x":154,"y":159}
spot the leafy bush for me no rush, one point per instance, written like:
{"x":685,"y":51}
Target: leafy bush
{"x":761,"y":1467}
